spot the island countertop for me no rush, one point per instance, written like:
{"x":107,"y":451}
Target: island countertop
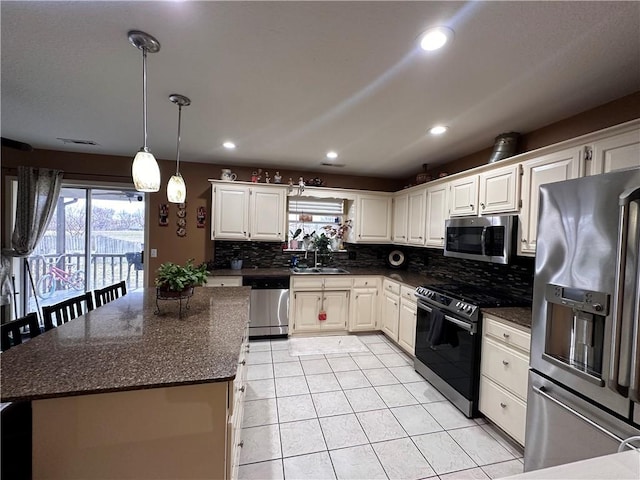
{"x":123,"y":346}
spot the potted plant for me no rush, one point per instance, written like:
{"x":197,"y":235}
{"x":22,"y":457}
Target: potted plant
{"x":173,"y":280}
{"x":293,"y":242}
{"x":321,"y":244}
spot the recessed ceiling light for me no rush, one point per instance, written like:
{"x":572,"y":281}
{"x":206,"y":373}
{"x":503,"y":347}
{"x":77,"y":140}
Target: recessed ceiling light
{"x":332,"y":155}
{"x":438,"y":130}
{"x":229,"y":145}
{"x":435,"y":38}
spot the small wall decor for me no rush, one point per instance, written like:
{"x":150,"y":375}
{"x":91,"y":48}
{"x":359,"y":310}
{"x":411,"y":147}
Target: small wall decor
{"x":182,"y":220}
{"x":201,"y":217}
{"x":163,"y":214}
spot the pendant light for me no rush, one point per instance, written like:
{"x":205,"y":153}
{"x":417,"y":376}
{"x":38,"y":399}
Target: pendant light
{"x":145,"y":170}
{"x":176,"y":188}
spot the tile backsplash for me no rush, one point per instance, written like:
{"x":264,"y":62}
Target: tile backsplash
{"x":516,"y":277}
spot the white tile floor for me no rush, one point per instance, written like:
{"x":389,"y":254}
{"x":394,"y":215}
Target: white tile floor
{"x":359,"y":416}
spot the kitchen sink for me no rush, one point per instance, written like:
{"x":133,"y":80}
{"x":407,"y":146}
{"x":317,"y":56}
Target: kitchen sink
{"x":318,"y":271}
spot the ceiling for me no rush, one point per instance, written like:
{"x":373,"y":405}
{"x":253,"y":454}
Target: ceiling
{"x":289,"y":81}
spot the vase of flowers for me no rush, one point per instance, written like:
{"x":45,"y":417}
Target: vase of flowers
{"x":337,"y":234}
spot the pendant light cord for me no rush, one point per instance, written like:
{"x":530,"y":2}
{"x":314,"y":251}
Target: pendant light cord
{"x":144,"y":97}
{"x":178,"y":148}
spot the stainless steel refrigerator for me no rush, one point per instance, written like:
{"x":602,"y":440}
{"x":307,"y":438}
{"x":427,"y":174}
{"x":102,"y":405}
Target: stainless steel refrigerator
{"x":584,"y":377}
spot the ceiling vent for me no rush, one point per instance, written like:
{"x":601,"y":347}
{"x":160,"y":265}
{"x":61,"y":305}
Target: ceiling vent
{"x":76,"y":141}
{"x":330,"y":164}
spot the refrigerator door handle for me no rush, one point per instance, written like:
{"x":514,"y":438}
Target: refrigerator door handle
{"x":542,"y":391}
{"x":619,"y":356}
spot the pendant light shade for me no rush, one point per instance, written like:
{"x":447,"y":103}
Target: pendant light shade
{"x":145,"y":170}
{"x":176,"y":188}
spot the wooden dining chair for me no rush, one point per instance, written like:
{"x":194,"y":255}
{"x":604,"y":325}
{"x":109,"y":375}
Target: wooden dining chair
{"x":10,"y":334}
{"x":107,"y":294}
{"x":66,"y":310}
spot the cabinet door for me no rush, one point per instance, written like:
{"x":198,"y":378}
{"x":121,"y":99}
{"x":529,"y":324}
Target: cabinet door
{"x":400,"y":204}
{"x":267,"y":213}
{"x":364,"y":309}
{"x":336,"y":305}
{"x":437,"y":213}
{"x":306,"y":306}
{"x":464,"y":196}
{"x":373,"y":218}
{"x":500,"y":190}
{"x":416,"y":217}
{"x":390,"y":312}
{"x":230,"y":209}
{"x":407,"y":325}
{"x":615,"y":153}
{"x":550,"y":168}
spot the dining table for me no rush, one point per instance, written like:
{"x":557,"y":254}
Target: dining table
{"x":132,"y":389}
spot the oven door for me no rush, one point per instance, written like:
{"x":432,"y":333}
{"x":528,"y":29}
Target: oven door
{"x":457,"y":361}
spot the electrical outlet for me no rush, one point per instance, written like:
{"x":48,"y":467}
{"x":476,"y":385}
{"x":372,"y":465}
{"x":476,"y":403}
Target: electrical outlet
{"x":154,"y":252}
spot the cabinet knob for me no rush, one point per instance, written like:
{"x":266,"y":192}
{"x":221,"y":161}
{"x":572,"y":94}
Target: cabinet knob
{"x":243,"y":362}
{"x":359,"y":236}
{"x":241,"y":388}
{"x":524,"y":240}
{"x":503,"y":405}
{"x":420,"y":238}
{"x":366,"y":283}
{"x":471,"y":205}
{"x":241,"y":444}
{"x":441,"y":238}
{"x":505,"y":363}
{"x":505,"y":335}
{"x":482,"y":205}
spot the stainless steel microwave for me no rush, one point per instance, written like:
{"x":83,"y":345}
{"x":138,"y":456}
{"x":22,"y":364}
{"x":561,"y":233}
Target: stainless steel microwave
{"x":487,"y":239}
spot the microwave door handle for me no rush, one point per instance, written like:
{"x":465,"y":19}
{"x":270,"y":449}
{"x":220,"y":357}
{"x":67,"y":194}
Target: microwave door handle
{"x":618,"y":356}
{"x":483,"y":241}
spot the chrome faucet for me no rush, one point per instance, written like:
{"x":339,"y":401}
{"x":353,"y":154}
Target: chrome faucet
{"x":315,"y":260}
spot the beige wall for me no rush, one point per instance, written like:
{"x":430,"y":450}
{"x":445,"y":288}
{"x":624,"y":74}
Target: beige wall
{"x":197,"y":243}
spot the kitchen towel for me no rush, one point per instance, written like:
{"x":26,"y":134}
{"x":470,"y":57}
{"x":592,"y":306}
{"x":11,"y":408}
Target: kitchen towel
{"x":441,"y":331}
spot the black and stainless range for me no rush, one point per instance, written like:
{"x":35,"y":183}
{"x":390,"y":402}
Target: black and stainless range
{"x":448,"y":338}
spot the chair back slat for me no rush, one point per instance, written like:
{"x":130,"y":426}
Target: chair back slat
{"x":66,"y":310}
{"x":10,"y":334}
{"x":110,"y":293}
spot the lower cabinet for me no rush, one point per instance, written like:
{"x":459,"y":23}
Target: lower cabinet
{"x":223,"y":281}
{"x":390,"y":314}
{"x":504,"y":374}
{"x":235,"y":410}
{"x":363,"y":315}
{"x":308,"y":307}
{"x":407,"y":325}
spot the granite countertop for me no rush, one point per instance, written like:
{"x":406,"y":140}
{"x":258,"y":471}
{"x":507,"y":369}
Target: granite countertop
{"x":412,"y":279}
{"x":123,"y":345}
{"x":518,"y":315}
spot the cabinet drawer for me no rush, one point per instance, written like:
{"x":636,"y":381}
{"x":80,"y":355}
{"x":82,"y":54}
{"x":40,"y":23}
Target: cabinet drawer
{"x":505,"y":366}
{"x":507,"y":334}
{"x":389,"y":286}
{"x":320,"y":282}
{"x":223,"y":282}
{"x":505,"y":410}
{"x":408,"y":293}
{"x":365,"y":282}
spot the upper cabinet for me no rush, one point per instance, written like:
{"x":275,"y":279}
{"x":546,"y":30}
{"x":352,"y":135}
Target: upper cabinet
{"x":437,"y":213}
{"x":416,"y":216}
{"x":500,"y":190}
{"x":463,"y":193}
{"x":553,"y":167}
{"x":372,"y":219}
{"x":400,"y":209}
{"x":616,"y":153}
{"x":242,"y":212}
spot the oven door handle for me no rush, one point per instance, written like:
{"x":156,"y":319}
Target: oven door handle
{"x":469,"y":327}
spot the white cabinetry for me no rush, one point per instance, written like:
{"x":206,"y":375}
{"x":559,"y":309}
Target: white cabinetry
{"x":407,"y":320}
{"x":554,"y":167}
{"x":364,"y":309}
{"x":615,"y":153}
{"x":504,"y":373}
{"x":464,"y":196}
{"x":400,"y":209}
{"x":416,"y":217}
{"x":390,"y":308}
{"x":312,"y":296}
{"x":224,"y":281}
{"x":373,"y":219}
{"x":500,"y":190}
{"x":437,"y":213}
{"x":242,"y":212}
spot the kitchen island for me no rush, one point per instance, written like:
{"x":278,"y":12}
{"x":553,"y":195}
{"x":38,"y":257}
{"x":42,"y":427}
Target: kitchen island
{"x":124,"y":393}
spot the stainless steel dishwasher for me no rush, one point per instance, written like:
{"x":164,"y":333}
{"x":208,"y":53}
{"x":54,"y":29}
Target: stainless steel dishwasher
{"x":269,"y":311}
